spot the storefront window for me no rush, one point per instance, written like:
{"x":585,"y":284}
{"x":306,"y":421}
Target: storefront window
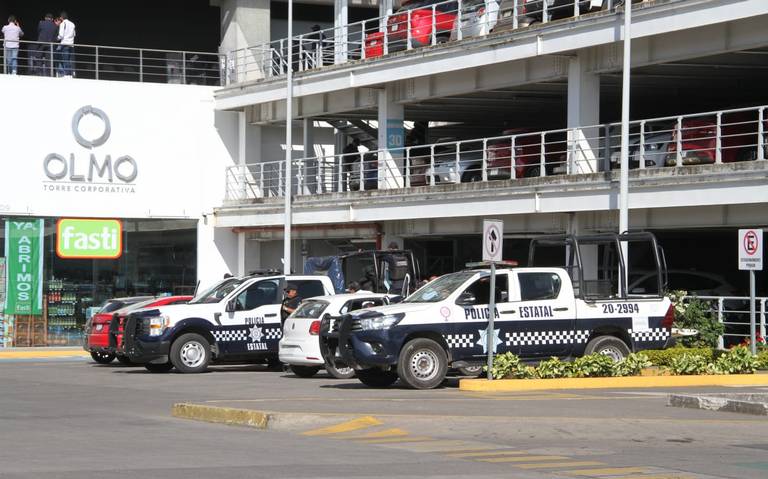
{"x":158,"y":258}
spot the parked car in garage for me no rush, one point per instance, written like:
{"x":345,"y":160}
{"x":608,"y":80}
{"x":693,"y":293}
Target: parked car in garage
{"x":655,"y":150}
{"x":426,"y":17}
{"x":738,"y":139}
{"x":527,"y":154}
{"x":448,"y":168}
{"x":699,"y":283}
{"x":478,"y":17}
{"x":300,"y":345}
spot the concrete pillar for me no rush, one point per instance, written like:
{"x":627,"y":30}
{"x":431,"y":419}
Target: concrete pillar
{"x":241,"y":254}
{"x":385,"y":7}
{"x":391,"y":139}
{"x":583,"y":110}
{"x":217,"y":252}
{"x":245,"y":23}
{"x":340,"y":22}
{"x":309,"y":175}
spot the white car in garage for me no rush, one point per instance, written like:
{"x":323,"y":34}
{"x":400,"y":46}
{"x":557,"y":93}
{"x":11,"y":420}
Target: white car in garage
{"x":300,"y":345}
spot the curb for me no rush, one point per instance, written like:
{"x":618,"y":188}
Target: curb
{"x":506,"y":385}
{"x":44,"y":353}
{"x":718,"y":403}
{"x":265,"y":420}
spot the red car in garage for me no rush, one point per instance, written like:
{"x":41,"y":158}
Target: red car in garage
{"x":698,"y":139}
{"x":426,"y":17}
{"x":527,"y":154}
{"x":99,"y":340}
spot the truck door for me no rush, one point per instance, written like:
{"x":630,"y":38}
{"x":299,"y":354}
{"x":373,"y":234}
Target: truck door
{"x":257,"y":313}
{"x":545,"y":315}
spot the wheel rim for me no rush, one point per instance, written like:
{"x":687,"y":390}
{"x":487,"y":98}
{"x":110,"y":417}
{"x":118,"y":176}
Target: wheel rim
{"x":192,"y":354}
{"x":344,"y":371}
{"x":612,"y":352}
{"x":473,"y":369}
{"x":424,"y":365}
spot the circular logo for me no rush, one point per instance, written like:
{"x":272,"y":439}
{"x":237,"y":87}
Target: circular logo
{"x":750,"y":243}
{"x":79,"y":115}
{"x":445,"y":312}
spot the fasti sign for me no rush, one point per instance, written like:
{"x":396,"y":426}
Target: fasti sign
{"x":24,"y":256}
{"x":86,"y":238}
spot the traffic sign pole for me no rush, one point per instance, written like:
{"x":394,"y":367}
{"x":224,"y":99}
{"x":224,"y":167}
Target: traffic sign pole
{"x":752,"y":325}
{"x":489,"y":336}
{"x":751,"y":259}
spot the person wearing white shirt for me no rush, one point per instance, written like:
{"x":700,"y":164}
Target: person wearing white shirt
{"x":67,"y":38}
{"x":11,"y":35}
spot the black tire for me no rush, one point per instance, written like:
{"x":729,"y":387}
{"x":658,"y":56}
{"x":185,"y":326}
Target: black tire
{"x":102,"y":358}
{"x":377,"y":378}
{"x":124,"y":360}
{"x":158,"y":368}
{"x":472,"y":177}
{"x":473,"y":371}
{"x":423,"y":364}
{"x":191,"y":353}
{"x":340,"y":373}
{"x":610,"y":346}
{"x":305,"y":371}
{"x":533,"y":172}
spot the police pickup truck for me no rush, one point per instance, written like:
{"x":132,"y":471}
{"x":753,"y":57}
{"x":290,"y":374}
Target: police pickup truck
{"x":238,"y":319}
{"x":537,"y":315}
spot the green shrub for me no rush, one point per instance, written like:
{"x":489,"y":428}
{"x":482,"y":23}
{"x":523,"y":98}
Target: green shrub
{"x":687,"y":364}
{"x":553,"y":368}
{"x":762,"y":359}
{"x":663,"y":357}
{"x":593,"y":366}
{"x":509,"y":366}
{"x":696,"y":314}
{"x":631,"y":365}
{"x":738,"y":360}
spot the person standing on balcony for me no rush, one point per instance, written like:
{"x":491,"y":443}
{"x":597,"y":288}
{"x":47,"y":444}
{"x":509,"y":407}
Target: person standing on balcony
{"x":11,"y":35}
{"x":46,"y":35}
{"x":349,"y":160}
{"x":67,"y":37}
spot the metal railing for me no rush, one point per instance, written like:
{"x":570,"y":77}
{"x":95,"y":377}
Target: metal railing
{"x":415,"y":25}
{"x":733,"y":313}
{"x":101,"y":62}
{"x":677,"y":141}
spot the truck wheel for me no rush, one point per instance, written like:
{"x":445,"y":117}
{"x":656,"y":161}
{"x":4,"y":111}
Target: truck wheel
{"x":423,"y":364}
{"x":377,"y":378}
{"x":191,"y":353}
{"x":158,"y":368}
{"x":473,"y":371}
{"x":610,"y":346}
{"x":102,"y":358}
{"x":340,"y":373}
{"x":304,"y":371}
{"x":124,"y":360}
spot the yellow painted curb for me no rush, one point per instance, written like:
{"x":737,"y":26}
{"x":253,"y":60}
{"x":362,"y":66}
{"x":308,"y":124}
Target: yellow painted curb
{"x":503,"y":385}
{"x":43,"y":354}
{"x":224,"y":415}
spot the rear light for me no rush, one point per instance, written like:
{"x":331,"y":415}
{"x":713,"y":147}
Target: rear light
{"x":314,"y":328}
{"x":669,"y":318}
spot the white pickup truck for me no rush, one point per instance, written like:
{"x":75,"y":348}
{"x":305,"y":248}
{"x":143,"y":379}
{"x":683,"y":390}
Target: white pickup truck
{"x":237,"y":319}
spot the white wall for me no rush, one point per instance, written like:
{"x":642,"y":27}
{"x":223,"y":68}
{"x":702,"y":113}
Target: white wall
{"x":180,"y":145}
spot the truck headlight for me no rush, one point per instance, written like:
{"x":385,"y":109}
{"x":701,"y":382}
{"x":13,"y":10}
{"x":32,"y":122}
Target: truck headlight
{"x":158,"y":324}
{"x":380,"y":322}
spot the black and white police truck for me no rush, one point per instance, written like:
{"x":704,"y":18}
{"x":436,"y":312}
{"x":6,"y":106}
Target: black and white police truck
{"x":238,"y":319}
{"x":564,"y":311}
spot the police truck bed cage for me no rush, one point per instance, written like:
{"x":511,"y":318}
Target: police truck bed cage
{"x":596,"y":262}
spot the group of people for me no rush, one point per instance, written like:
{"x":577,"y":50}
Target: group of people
{"x":59,"y":31}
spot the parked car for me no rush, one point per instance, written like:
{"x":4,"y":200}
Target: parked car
{"x":300,"y":345}
{"x":738,"y":135}
{"x":699,"y":283}
{"x":446,"y":169}
{"x":97,"y":328}
{"x":117,"y":322}
{"x":478,"y":17}
{"x":421,"y":26}
{"x":527,"y":154}
{"x":656,"y":146}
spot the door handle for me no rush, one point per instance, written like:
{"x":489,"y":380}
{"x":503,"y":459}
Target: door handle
{"x":217,"y":318}
{"x":270,"y":315}
{"x":510,"y":311}
{"x":560,"y":309}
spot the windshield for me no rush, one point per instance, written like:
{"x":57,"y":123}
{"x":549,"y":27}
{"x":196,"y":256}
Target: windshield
{"x":439,"y":289}
{"x":310,"y":309}
{"x":217,"y":292}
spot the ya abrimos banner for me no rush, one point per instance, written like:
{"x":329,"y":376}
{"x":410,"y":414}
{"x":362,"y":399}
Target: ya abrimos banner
{"x":24,"y":256}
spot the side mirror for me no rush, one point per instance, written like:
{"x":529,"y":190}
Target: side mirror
{"x":231,"y":306}
{"x":466,"y":299}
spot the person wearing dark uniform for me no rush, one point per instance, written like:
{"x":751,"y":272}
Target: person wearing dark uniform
{"x":291,"y":301}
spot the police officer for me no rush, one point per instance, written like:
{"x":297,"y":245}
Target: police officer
{"x":291,"y":301}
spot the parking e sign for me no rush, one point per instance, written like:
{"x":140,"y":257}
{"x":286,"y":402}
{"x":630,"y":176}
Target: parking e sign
{"x":751,"y":249}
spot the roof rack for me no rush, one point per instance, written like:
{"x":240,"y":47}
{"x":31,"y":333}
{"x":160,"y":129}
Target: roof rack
{"x":487,"y":264}
{"x":264,"y":272}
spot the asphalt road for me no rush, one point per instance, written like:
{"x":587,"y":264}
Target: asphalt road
{"x":75,"y":419}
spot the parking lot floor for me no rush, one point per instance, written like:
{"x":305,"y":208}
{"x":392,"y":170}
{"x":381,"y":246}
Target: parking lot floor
{"x":73,"y":418}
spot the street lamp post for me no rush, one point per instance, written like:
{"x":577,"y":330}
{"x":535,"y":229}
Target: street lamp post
{"x":288,"y":146}
{"x":624,"y":170}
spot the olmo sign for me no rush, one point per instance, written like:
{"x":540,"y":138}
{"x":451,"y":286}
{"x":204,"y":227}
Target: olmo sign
{"x":101,"y":174}
{"x":89,"y":238}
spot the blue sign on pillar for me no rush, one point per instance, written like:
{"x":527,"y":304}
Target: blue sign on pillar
{"x":395,"y":136}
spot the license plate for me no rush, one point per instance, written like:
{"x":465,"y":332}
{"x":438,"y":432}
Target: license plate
{"x":395,"y":27}
{"x":494,"y":172}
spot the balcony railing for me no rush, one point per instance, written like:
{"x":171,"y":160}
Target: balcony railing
{"x":714,"y":137}
{"x":101,"y":62}
{"x":733,"y":312}
{"x":415,"y":25}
